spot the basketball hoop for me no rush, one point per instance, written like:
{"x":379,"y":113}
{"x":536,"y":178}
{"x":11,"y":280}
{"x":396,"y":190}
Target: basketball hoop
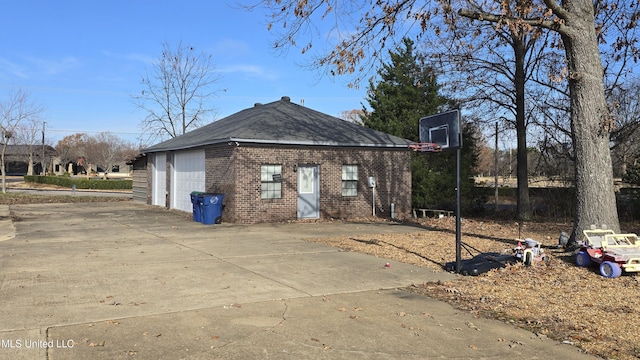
{"x":425,"y":147}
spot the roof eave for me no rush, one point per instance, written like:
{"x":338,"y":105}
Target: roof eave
{"x":239,"y":141}
{"x":318,"y":143}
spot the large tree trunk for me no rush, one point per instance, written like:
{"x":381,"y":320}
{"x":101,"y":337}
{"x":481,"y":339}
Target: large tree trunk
{"x":30,"y":166}
{"x":523,"y":208}
{"x":591,"y":123}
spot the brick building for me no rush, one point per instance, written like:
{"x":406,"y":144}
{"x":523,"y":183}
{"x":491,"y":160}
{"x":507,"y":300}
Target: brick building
{"x":282,"y":161}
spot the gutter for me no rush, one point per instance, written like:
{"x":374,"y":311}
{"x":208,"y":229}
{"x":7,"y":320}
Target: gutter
{"x":240,"y":141}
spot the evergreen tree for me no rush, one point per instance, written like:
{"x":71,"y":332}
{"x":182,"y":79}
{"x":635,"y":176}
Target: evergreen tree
{"x":406,"y":90}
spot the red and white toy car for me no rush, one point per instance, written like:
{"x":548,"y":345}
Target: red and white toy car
{"x":613,"y":252}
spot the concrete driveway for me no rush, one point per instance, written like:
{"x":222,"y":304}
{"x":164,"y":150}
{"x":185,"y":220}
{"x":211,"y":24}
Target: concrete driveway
{"x":124,"y":280}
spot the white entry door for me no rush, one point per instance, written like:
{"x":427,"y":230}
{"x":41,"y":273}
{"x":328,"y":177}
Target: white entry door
{"x":308,"y":192}
{"x":159,"y":180}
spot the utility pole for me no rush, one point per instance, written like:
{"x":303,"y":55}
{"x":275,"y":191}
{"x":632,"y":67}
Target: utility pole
{"x":495,"y":167}
{"x":42,"y":162}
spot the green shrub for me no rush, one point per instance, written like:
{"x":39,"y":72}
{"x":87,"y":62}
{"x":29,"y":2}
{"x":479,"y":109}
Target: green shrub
{"x":80,"y":183}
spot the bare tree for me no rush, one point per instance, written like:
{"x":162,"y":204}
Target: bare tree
{"x":103,"y":150}
{"x":572,"y":20}
{"x":591,"y":121}
{"x":354,"y":116}
{"x":494,"y":79}
{"x":106,"y":149}
{"x":70,"y":148}
{"x":625,"y":138}
{"x":30,"y":135}
{"x":17,"y":108}
{"x":78,"y":148}
{"x":177,"y":92}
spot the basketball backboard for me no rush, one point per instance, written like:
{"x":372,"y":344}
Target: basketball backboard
{"x":442,"y":129}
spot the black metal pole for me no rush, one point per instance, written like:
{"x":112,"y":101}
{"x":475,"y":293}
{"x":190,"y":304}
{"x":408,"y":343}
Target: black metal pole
{"x":458,"y":230}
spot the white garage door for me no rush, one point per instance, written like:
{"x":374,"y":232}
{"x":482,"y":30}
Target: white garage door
{"x":188,"y":176}
{"x":159,"y":181}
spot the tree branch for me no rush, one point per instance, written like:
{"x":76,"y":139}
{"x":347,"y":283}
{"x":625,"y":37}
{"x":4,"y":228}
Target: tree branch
{"x":493,"y":18}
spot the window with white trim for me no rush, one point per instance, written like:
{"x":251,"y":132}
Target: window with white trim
{"x":271,"y":181}
{"x":349,"y":180}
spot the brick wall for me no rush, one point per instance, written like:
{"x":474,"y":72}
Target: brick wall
{"x":220,"y":177}
{"x":235,"y":171}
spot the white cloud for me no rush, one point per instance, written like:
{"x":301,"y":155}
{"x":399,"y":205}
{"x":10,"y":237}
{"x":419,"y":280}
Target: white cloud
{"x":52,"y":67}
{"x":230,"y":48}
{"x":11,"y":69}
{"x":146,"y":59}
{"x":32,"y":67}
{"x":253,"y":71}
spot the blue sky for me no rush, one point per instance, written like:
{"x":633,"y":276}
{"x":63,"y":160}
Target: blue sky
{"x":81,"y":60}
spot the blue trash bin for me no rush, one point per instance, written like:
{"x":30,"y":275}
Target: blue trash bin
{"x":212,"y":208}
{"x":196,"y":200}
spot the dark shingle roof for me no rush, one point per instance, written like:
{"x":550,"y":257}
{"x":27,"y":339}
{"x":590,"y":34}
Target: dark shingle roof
{"x":24,"y":150}
{"x":281,"y":122}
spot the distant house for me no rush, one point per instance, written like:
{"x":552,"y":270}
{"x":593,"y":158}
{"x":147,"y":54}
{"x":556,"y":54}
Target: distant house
{"x":282,"y":161}
{"x":16,"y":158}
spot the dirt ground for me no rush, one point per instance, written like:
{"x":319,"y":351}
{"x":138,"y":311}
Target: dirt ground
{"x":557,"y":300}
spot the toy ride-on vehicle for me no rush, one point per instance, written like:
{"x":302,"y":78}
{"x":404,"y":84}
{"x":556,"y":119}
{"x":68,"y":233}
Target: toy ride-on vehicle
{"x":613,"y":252}
{"x":530,"y":252}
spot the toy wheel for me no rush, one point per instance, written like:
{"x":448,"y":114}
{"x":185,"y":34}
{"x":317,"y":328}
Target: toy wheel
{"x":546,"y":259}
{"x":528,"y":258}
{"x":610,"y":269}
{"x":583,"y":259}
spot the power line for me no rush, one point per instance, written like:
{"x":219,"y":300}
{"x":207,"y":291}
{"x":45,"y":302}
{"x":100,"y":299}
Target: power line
{"x":94,"y":132}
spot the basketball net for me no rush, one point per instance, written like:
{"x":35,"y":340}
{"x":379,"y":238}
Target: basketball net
{"x":425,"y":147}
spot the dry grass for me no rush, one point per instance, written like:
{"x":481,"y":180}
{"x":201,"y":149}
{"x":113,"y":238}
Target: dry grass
{"x":559,"y":300}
